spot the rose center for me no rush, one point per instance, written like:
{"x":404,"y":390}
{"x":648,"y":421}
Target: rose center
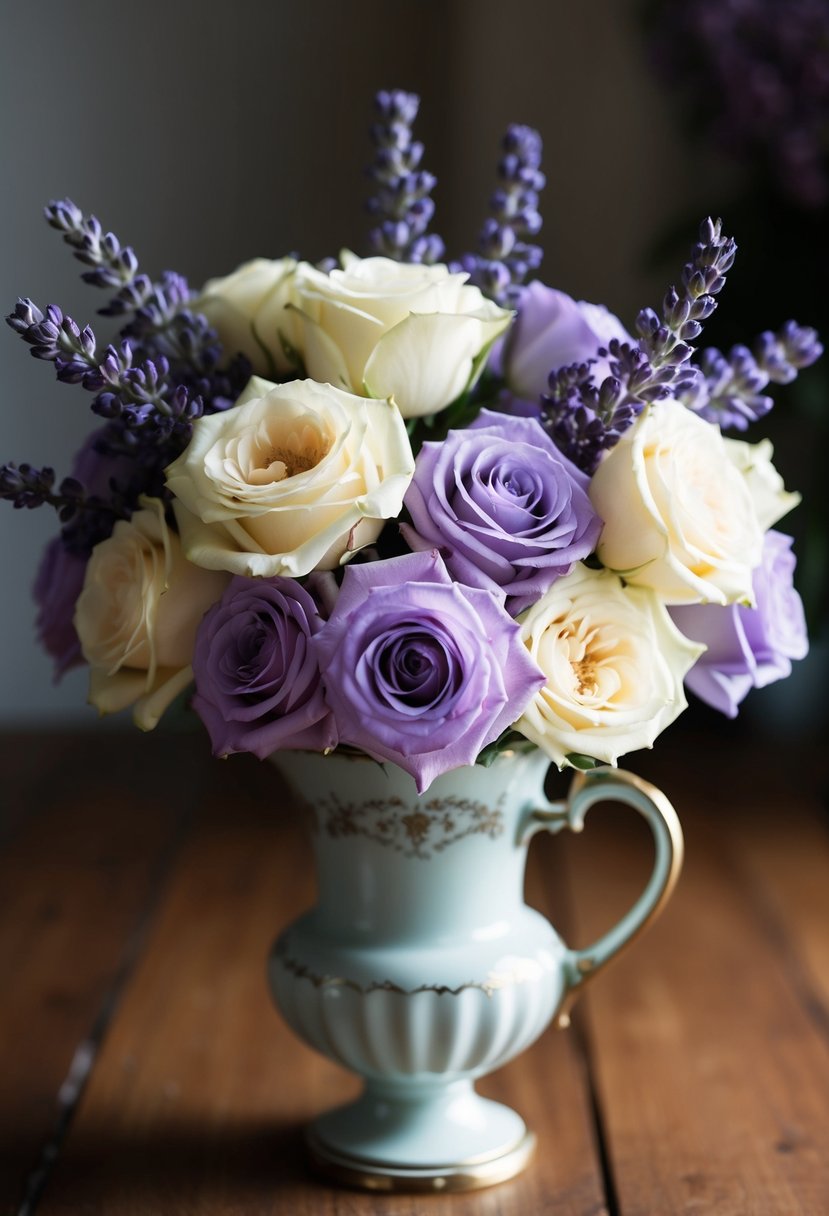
{"x":586,"y":675}
{"x":417,"y":670}
{"x":278,"y":464}
{"x":281,"y":451}
{"x":583,"y":646}
{"x":517,"y":484}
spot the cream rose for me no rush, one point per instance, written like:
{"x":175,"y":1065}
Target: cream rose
{"x":679,"y":517}
{"x":137,"y":616}
{"x":765,"y":485}
{"x":614,"y":663}
{"x":417,"y":333}
{"x":248,"y":309}
{"x":295,"y":477}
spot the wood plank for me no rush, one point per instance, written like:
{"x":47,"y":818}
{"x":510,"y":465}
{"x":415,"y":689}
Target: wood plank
{"x":198,"y":1099}
{"x":712,"y":1069}
{"x":28,"y":762}
{"x":86,"y":836}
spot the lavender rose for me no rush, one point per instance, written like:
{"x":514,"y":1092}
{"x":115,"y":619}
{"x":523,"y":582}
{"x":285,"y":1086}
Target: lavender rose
{"x":553,"y":330}
{"x":60,"y":575}
{"x":421,"y":670}
{"x":257,"y":679}
{"x":748,"y":647}
{"x":57,"y":586}
{"x":506,"y":509}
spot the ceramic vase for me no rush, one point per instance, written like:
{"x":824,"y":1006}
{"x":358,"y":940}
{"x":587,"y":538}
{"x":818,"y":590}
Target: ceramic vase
{"x":421,"y":967}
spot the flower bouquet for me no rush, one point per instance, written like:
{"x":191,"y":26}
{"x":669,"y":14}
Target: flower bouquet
{"x":438,"y":515}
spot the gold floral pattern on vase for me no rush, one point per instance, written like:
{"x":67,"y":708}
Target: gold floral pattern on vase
{"x":521,"y":971}
{"x":428,"y":828}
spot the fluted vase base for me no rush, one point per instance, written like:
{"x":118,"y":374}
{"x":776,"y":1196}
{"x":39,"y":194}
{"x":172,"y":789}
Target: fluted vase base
{"x":413,"y":1135}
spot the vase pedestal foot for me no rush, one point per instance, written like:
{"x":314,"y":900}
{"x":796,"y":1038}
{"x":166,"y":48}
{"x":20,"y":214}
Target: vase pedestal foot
{"x":420,"y":1136}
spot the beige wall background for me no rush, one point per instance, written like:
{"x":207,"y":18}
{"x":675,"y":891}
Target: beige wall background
{"x":205,"y":134}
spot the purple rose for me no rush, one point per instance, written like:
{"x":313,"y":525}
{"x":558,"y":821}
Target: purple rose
{"x":60,"y":575}
{"x":257,"y":679}
{"x":553,"y":330}
{"x":748,"y":647}
{"x":419,"y":669}
{"x":56,"y":589}
{"x":506,"y":509}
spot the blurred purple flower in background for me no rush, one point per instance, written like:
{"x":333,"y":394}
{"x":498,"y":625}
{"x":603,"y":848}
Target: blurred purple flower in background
{"x":755,"y":74}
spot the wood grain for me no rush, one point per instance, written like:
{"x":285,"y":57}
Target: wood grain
{"x":79,"y":868}
{"x":139,"y":925}
{"x":711,"y":1060}
{"x":198,"y":1098}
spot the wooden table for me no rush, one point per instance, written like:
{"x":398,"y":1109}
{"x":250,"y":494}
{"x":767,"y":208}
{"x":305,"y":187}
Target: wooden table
{"x":143,"y":1070}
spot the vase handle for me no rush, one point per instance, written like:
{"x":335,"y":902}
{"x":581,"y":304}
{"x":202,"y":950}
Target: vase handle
{"x":615,"y":785}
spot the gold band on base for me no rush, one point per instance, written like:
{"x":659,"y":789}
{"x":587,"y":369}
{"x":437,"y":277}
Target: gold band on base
{"x":433,"y":1179}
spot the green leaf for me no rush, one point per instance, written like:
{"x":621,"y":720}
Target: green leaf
{"x":510,"y":741}
{"x":583,"y":763}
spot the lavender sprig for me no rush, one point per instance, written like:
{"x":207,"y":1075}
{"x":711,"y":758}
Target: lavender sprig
{"x":402,"y":205}
{"x":730,"y":392}
{"x":113,"y":265}
{"x":506,"y":254}
{"x":141,"y":394}
{"x":163,"y":324}
{"x":57,"y":339}
{"x":88,"y":515}
{"x":585,"y":419}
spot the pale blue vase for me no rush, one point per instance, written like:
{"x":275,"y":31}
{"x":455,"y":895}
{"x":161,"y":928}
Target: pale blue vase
{"x":421,"y":967}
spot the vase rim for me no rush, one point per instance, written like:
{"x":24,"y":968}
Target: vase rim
{"x":361,"y":757}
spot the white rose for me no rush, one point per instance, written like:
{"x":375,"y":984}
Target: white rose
{"x":295,"y":477}
{"x":248,"y":309}
{"x":679,"y":517}
{"x":138,"y":613}
{"x":614,"y":663}
{"x":765,"y":485}
{"x":417,"y":333}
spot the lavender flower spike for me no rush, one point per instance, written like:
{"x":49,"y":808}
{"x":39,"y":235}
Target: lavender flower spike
{"x":505,"y":254}
{"x":665,"y":340}
{"x":163,"y":324}
{"x":586,"y":419}
{"x":112,"y":265}
{"x":402,"y":204}
{"x":731,"y":392}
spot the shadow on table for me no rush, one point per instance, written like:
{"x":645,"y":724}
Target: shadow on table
{"x":254,"y":1168}
{"x":179,"y":1167}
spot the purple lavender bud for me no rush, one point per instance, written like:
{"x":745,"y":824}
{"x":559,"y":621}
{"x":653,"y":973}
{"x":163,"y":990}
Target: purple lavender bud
{"x":732,"y":391}
{"x":63,"y":215}
{"x":25,"y":317}
{"x":26,"y":486}
{"x":401,"y":204}
{"x":505,"y":255}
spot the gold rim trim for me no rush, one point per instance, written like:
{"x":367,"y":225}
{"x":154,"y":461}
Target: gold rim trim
{"x":529,"y":972}
{"x":368,"y":1175}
